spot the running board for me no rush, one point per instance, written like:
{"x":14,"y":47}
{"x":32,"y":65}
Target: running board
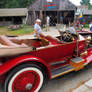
{"x":78,"y":63}
{"x":77,"y":60}
{"x":58,"y":63}
{"x":61,"y":71}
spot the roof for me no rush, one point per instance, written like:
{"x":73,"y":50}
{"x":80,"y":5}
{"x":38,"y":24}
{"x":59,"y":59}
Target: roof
{"x":13,"y":12}
{"x":82,"y":7}
{"x":87,"y":12}
{"x":60,"y":5}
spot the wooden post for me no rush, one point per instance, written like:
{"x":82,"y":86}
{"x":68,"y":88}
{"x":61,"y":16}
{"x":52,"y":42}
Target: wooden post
{"x":30,"y":18}
{"x":58,"y":17}
{"x":41,"y":17}
{"x":45,"y":17}
{"x":26,"y":19}
{"x":34,"y":15}
{"x":74,"y":19}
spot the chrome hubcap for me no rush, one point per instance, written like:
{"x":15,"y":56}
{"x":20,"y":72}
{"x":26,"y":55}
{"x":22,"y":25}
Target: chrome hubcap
{"x":29,"y":86}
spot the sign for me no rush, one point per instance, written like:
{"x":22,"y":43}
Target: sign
{"x":49,"y":5}
{"x":50,"y":1}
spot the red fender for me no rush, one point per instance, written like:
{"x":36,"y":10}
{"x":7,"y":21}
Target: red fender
{"x":19,"y":60}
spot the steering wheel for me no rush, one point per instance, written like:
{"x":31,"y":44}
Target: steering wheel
{"x":67,"y":37}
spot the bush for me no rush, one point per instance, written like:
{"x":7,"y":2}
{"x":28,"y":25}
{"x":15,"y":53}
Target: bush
{"x":86,"y":26}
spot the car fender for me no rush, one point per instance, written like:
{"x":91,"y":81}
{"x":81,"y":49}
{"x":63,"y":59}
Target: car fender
{"x":19,"y":60}
{"x":88,"y":58}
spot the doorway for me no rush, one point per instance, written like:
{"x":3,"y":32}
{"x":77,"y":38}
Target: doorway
{"x":53,"y":17}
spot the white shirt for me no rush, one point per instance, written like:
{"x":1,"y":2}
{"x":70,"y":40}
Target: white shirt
{"x":48,"y":20}
{"x":72,"y":30}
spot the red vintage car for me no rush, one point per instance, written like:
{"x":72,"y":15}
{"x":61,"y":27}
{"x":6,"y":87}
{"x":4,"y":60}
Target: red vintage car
{"x":26,"y":69}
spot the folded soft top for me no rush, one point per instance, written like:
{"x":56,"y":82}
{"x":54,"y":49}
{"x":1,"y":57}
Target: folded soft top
{"x":11,"y":51}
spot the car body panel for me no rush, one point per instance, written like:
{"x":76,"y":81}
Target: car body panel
{"x":20,"y":60}
{"x":55,"y":52}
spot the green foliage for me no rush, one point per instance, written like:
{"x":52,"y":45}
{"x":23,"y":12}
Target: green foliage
{"x":86,"y":26}
{"x":85,"y":2}
{"x":90,"y":7}
{"x":15,"y":3}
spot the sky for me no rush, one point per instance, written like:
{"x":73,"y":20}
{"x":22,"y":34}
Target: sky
{"x":77,"y":2}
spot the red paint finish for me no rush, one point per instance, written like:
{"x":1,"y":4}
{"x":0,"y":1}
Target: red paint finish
{"x":88,"y":58}
{"x":23,"y":59}
{"x":66,"y":50}
{"x":55,"y":52}
{"x":81,"y":45}
{"x":47,"y":54}
{"x":25,"y":78}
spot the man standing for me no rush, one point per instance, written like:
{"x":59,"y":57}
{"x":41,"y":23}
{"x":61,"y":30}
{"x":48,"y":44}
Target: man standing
{"x":37,"y":28}
{"x":72,"y":30}
{"x":48,"y":22}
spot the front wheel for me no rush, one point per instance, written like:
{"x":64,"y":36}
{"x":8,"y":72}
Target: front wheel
{"x":25,"y":78}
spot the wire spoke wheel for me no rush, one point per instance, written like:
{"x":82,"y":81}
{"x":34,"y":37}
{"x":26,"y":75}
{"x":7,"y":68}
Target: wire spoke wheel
{"x":25,"y":78}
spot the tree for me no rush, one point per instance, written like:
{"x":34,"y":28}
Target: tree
{"x":2,"y":3}
{"x":85,"y":2}
{"x":15,"y":3}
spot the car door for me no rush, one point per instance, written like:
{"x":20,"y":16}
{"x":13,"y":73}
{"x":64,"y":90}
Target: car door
{"x":66,"y":49}
{"x":48,"y":54}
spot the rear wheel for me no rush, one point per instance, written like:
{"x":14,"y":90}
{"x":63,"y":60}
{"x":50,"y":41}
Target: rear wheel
{"x":25,"y":78}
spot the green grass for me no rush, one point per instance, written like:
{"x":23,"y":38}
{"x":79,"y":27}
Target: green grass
{"x":21,"y":31}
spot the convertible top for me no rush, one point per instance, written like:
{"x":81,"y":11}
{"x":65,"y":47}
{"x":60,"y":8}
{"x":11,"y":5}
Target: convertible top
{"x":11,"y":51}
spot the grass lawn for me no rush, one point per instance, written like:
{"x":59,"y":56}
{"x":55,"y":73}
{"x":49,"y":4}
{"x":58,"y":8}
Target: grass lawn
{"x":22,"y":31}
